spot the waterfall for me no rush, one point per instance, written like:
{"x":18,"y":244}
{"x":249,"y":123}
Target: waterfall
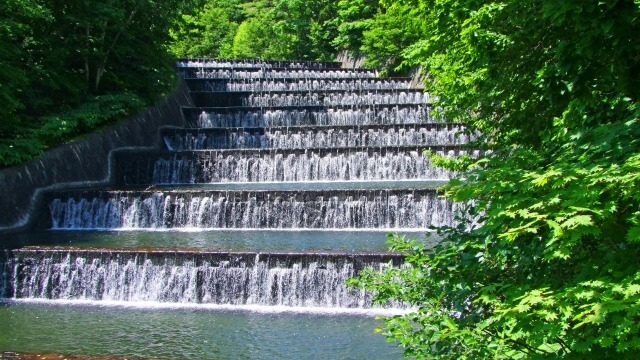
{"x":255,"y":64}
{"x":416,"y":114}
{"x":336,"y":209}
{"x":311,"y":98}
{"x":315,"y":137}
{"x":289,"y":146}
{"x":309,"y":165}
{"x":273,"y":279}
{"x":270,"y":85}
{"x":335,"y":98}
{"x":206,"y":73}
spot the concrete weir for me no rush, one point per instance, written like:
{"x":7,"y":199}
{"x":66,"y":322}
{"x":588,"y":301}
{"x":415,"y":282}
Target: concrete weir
{"x":305,"y":151}
{"x":195,"y":277}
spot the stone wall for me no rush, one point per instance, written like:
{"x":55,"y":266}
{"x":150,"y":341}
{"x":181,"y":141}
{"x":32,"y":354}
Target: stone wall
{"x":83,"y":163}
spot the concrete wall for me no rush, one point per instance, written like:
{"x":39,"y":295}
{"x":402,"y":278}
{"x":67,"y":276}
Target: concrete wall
{"x":85,"y":162}
{"x":349,"y":61}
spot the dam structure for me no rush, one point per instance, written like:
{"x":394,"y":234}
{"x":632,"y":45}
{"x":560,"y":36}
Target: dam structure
{"x":244,"y":224}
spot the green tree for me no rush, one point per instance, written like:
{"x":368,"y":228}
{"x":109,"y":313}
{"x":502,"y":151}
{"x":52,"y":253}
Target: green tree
{"x":113,"y":39}
{"x":544,"y":261}
{"x":307,"y":27}
{"x":380,"y":31}
{"x":353,"y":18}
{"x":252,"y":38}
{"x":18,"y":35}
{"x":208,"y":32}
{"x":254,"y":8}
{"x":395,"y":27}
{"x":281,"y":30}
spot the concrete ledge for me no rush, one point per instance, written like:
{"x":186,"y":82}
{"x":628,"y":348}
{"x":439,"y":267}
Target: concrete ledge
{"x":85,"y":162}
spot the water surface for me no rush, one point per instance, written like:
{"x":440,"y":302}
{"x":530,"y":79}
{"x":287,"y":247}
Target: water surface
{"x":227,"y":240}
{"x":189,"y":333}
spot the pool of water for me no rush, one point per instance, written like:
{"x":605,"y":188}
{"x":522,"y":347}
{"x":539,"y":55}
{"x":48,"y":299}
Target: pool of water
{"x":189,"y":333}
{"x":227,"y":240}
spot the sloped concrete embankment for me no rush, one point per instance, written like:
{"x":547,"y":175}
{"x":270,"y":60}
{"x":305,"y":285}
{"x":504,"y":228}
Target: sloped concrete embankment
{"x":85,"y":162}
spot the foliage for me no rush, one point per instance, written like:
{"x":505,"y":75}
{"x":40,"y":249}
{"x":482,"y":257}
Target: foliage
{"x":307,"y":26}
{"x":208,"y":32}
{"x":394,"y":28}
{"x":57,"y":55}
{"x":380,"y":31}
{"x":12,"y":30}
{"x":99,"y":111}
{"x":544,"y":260}
{"x":60,"y":128}
{"x":116,"y":41}
{"x":17,"y":31}
{"x":253,"y":38}
{"x":281,"y":30}
{"x":353,"y":18}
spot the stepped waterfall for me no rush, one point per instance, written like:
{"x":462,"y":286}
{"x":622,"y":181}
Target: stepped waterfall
{"x":299,"y":150}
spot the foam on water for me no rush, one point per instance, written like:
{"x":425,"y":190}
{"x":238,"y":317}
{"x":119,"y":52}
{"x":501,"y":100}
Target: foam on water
{"x":261,"y":309}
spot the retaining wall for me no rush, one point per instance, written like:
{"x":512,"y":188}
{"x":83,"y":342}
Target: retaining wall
{"x":85,"y":162}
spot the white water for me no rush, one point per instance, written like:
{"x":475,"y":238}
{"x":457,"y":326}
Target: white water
{"x":243,"y":279}
{"x":257,"y":64}
{"x":336,"y":98}
{"x":299,"y":144}
{"x":311,"y":165}
{"x":301,"y":117}
{"x":309,"y":137}
{"x":252,"y":210}
{"x":259,"y":309}
{"x":301,"y":85}
{"x":205,"y":73}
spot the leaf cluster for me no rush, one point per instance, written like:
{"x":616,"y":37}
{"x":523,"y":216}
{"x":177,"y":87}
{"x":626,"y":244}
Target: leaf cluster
{"x":278,"y":30}
{"x":56,"y":129}
{"x":543,"y":259}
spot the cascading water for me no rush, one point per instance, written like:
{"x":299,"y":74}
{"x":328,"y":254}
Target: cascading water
{"x":301,"y":116}
{"x":269,"y":147}
{"x":315,"y":123}
{"x":314,"y":137}
{"x":272,"y":165}
{"x":333,"y":99}
{"x":310,"y":98}
{"x":310,"y":165}
{"x":337,"y":209}
{"x":254,"y":64}
{"x":300,"y":85}
{"x":206,"y":73}
{"x":269,"y":279}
